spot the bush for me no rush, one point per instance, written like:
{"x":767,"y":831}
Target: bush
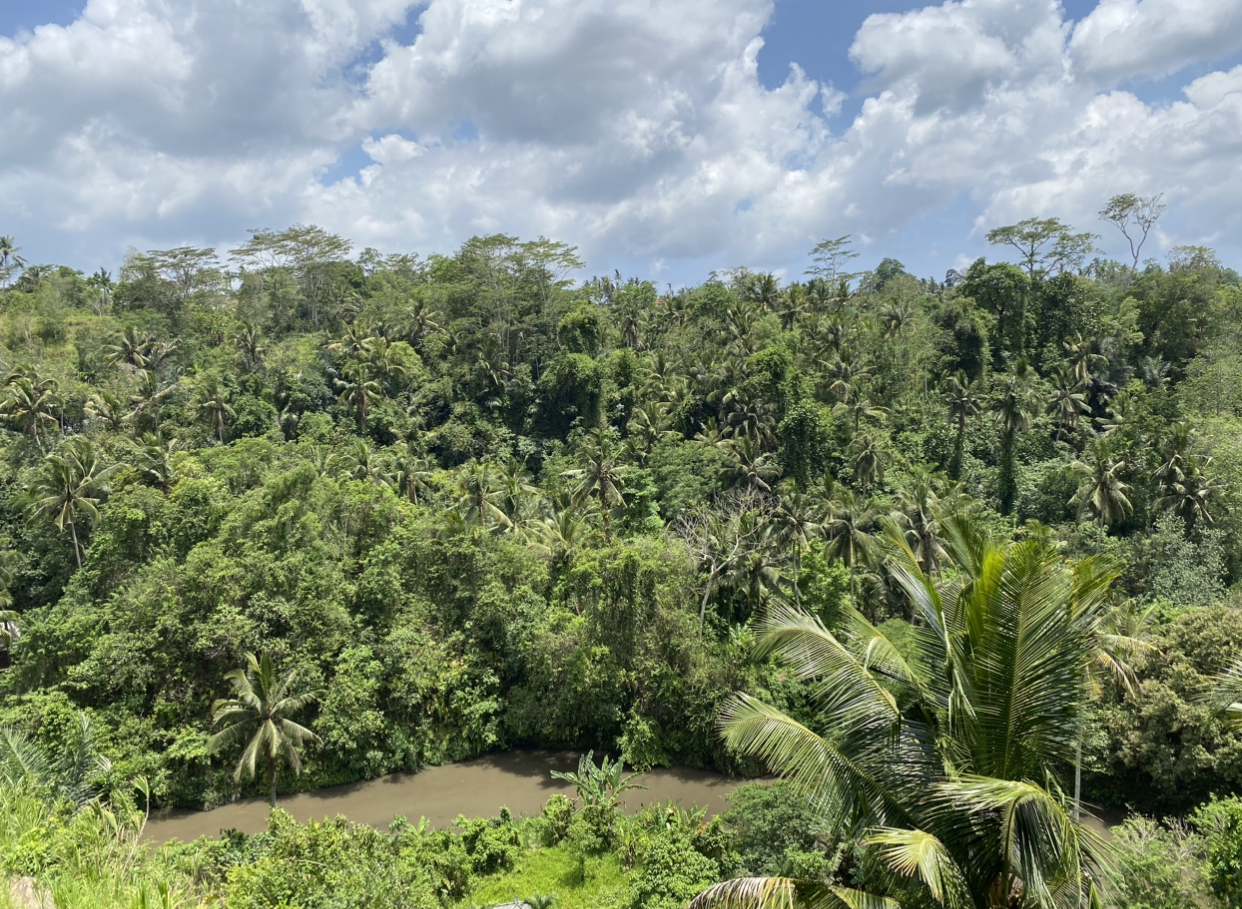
{"x":1157,"y":866}
{"x":773,"y":829}
{"x":672,"y":873}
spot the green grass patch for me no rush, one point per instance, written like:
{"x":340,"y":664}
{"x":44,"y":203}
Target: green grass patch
{"x":556,"y":871}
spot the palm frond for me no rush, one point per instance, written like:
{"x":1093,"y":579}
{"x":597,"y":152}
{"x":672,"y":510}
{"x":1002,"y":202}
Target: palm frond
{"x":916,"y":852}
{"x":785,"y":893}
{"x":841,"y":788}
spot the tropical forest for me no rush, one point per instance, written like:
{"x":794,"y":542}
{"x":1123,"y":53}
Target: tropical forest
{"x":940,"y":578}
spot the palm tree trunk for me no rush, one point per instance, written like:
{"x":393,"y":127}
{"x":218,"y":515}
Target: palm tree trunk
{"x":77,"y":547}
{"x":603,"y":510}
{"x":797,"y":562}
{"x":272,"y":781}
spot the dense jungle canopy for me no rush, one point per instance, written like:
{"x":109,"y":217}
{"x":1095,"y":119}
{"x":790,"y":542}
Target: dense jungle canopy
{"x":475,"y":502}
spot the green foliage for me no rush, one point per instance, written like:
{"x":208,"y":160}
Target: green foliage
{"x":1158,"y":866}
{"x":477,"y":504}
{"x":1222,"y":822}
{"x":329,"y":864}
{"x":772,"y":828}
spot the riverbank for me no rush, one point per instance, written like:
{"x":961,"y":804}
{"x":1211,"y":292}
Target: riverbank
{"x":518,"y":780}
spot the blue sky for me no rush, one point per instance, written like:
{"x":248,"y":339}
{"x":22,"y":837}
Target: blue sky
{"x":645,"y":132}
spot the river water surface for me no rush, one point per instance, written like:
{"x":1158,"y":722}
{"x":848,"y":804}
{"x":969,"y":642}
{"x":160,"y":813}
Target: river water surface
{"x":518,"y":780}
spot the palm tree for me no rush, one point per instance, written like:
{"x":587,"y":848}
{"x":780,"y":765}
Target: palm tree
{"x":859,"y":407}
{"x":847,"y":534}
{"x":964,"y":399}
{"x":10,"y":261}
{"x":149,"y":398}
{"x":796,"y":524}
{"x":1068,"y":401}
{"x":1101,"y":490}
{"x":1188,"y":490}
{"x":1082,"y":362}
{"x":745,"y":467}
{"x":129,"y":349}
{"x":917,"y":518}
{"x":478,"y":495}
{"x":108,"y":409}
{"x":517,"y":488}
{"x":1013,"y":406}
{"x":70,"y":486}
{"x":213,"y":404}
{"x":868,"y":459}
{"x":357,"y":390}
{"x":942,"y":767}
{"x":601,"y":473}
{"x":407,"y":472}
{"x":154,"y":461}
{"x":259,"y":712}
{"x":249,"y":341}
{"x":29,"y":403}
{"x":67,"y":774}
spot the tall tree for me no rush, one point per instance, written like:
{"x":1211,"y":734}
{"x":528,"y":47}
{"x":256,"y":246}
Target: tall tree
{"x":600,"y":473}
{"x":1134,"y":216}
{"x":1013,"y":404}
{"x":1101,"y":490}
{"x":1045,"y":244}
{"x":213,"y":405}
{"x":964,"y":399}
{"x":70,"y":486}
{"x":259,"y":713}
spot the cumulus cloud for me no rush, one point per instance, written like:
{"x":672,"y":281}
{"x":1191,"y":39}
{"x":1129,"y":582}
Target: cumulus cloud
{"x":635,"y":128}
{"x":1153,"y":38}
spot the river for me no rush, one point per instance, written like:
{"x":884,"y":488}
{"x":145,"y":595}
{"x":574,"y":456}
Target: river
{"x":518,"y":780}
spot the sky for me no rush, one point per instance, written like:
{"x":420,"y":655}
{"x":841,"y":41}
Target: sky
{"x":663,"y":138}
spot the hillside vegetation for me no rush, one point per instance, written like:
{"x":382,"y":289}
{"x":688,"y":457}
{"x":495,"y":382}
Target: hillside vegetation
{"x":474,"y":503}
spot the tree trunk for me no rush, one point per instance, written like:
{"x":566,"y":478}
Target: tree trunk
{"x":77,"y":547}
{"x":272,"y":781}
{"x":797,"y":564}
{"x":603,"y":511}
{"x":1078,"y":772}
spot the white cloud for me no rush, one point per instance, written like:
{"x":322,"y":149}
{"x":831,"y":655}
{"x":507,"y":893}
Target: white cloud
{"x":638,"y":129}
{"x":1153,"y":38}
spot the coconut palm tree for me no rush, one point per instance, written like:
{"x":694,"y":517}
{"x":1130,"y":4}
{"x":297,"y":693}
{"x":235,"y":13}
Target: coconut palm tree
{"x":10,"y":260}
{"x":478,"y":495}
{"x":601,"y":474}
{"x":1188,"y":490}
{"x":358,"y":389}
{"x":408,"y":473}
{"x":797,"y":520}
{"x":129,"y":349}
{"x":745,"y":466}
{"x":150,"y":396}
{"x":258,"y":712}
{"x":70,"y":486}
{"x":1068,"y":401}
{"x":1014,"y":408}
{"x":108,"y":410}
{"x":964,"y":399}
{"x":941,"y":766}
{"x":1101,"y":490}
{"x":869,"y":458}
{"x":847,"y":532}
{"x":213,"y":404}
{"x":30,"y":403}
{"x":249,"y":342}
{"x":154,"y":461}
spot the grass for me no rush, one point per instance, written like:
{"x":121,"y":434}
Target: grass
{"x":555,"y":871}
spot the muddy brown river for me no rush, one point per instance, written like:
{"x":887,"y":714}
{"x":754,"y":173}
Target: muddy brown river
{"x":520,"y":781}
